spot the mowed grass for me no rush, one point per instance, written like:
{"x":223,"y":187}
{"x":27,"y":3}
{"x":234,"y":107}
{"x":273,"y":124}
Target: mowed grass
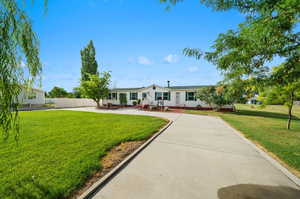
{"x":58,"y":150}
{"x":267,"y":127}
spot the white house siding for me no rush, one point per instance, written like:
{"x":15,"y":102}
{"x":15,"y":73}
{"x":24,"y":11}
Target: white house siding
{"x":150,"y":100}
{"x":32,"y":96}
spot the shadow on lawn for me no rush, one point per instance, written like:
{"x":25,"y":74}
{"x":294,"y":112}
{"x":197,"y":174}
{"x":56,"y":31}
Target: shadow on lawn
{"x":248,"y":191}
{"x":264,"y":114}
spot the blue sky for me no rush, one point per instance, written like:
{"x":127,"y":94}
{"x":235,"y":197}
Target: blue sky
{"x":138,"y":41}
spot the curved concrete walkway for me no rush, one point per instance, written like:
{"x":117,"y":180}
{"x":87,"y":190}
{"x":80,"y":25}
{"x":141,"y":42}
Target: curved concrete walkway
{"x":197,"y":157}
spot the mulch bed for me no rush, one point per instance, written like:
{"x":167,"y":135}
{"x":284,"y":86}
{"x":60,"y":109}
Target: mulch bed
{"x":111,"y":160}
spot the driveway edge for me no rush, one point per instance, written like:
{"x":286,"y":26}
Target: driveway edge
{"x":265,"y":155}
{"x":97,"y":186}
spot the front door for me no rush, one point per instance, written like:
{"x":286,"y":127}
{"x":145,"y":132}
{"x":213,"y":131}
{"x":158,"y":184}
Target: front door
{"x":123,"y":98}
{"x":177,"y":98}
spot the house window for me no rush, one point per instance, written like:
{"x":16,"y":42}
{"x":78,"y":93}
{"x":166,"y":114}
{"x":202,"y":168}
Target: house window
{"x":144,"y":95}
{"x":162,"y":96}
{"x":158,"y":96}
{"x":190,"y":96}
{"x":114,"y":96}
{"x":166,"y":96}
{"x":133,"y":96}
{"x":32,"y":95}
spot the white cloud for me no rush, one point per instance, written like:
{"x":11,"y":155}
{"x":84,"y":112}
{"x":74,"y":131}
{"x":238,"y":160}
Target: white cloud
{"x":143,"y":60}
{"x":193,"y":69}
{"x":171,"y":59}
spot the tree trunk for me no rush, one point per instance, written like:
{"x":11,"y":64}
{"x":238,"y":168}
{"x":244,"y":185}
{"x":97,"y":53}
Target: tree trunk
{"x":290,"y":112}
{"x":290,"y":119}
{"x":98,"y":104}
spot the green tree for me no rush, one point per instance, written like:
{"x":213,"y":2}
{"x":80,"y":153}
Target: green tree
{"x":282,"y":94}
{"x":215,"y":96}
{"x":205,"y":94}
{"x":77,"y":92}
{"x":223,"y":97}
{"x":70,"y":95}
{"x":96,"y":87}
{"x":240,"y":90}
{"x":270,"y":96}
{"x":281,"y":90}
{"x":269,"y":30}
{"x":18,"y":44}
{"x":58,"y":92}
{"x":88,"y":61}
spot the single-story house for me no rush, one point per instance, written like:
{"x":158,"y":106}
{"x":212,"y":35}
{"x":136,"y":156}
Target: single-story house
{"x":32,"y":96}
{"x":170,"y":96}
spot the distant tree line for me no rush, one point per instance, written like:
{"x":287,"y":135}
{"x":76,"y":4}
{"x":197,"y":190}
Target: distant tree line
{"x":58,"y":92}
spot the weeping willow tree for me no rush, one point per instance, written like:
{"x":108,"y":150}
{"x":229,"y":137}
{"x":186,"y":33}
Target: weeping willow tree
{"x":20,"y":65}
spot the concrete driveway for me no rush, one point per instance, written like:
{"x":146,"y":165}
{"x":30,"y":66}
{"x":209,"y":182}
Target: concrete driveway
{"x":197,"y":157}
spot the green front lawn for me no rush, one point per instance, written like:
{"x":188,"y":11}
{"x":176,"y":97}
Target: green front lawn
{"x":58,"y":150}
{"x":268,"y":128}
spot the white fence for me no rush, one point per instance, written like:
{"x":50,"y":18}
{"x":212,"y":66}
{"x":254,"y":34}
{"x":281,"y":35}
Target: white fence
{"x":70,"y":102}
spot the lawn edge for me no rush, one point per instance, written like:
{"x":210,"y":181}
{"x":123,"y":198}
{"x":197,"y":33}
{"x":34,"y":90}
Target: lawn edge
{"x":269,"y":156}
{"x":97,"y":186}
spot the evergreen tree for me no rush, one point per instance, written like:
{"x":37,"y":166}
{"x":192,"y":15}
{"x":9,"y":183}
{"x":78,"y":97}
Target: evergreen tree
{"x":89,"y":64}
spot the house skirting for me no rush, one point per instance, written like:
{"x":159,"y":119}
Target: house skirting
{"x":178,"y":107}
